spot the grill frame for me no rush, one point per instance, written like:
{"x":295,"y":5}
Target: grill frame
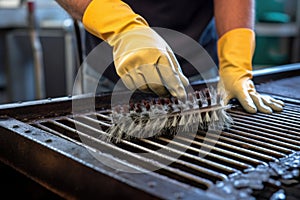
{"x":33,"y":152}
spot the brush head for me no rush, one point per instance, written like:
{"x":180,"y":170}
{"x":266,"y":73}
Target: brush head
{"x":203,"y":110}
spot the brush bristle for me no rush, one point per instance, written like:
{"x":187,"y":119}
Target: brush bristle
{"x":203,"y":110}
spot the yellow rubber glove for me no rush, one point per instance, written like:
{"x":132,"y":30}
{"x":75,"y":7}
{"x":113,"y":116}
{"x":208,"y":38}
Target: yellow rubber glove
{"x":142,"y":58}
{"x":235,"y":52}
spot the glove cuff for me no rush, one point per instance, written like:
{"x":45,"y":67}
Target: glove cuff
{"x":235,"y":52}
{"x":107,"y":18}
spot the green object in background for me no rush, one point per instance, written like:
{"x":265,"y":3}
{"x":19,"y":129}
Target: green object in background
{"x":271,"y":50}
{"x":271,"y":11}
{"x":275,"y":17}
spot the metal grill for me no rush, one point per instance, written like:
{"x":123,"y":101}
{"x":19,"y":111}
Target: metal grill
{"x":252,"y":141}
{"x":257,"y":139}
{"x":44,"y":141}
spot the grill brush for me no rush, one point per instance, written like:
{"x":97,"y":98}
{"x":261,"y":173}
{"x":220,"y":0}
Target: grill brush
{"x":203,"y":110}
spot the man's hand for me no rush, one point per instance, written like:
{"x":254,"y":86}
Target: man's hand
{"x":142,"y":58}
{"x":244,"y":91}
{"x":144,"y":61}
{"x":235,"y":51}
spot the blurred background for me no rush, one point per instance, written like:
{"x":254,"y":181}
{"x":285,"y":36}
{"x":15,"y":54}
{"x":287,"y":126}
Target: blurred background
{"x":277,"y":32}
{"x":51,"y":30}
{"x":45,"y":39}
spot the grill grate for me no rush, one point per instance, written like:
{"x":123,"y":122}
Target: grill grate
{"x":252,"y":141}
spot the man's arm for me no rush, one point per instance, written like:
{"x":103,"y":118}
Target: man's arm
{"x":232,"y":14}
{"x":142,"y":59}
{"x":236,"y":45}
{"x":75,"y":8}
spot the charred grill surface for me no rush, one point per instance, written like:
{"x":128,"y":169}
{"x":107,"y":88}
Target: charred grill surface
{"x":235,"y":162}
{"x":257,"y":157}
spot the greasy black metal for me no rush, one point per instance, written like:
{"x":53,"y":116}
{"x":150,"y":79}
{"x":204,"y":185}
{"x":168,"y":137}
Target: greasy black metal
{"x":47,"y":108}
{"x":276,"y":72}
{"x":47,"y":158}
{"x":71,"y":171}
{"x":64,"y":165}
{"x":284,"y":171}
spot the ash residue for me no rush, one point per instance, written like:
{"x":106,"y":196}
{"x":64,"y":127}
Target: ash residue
{"x":277,"y":175}
{"x":287,"y":168}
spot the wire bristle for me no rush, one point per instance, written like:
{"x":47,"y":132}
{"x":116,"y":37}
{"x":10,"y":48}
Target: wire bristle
{"x":204,"y":109}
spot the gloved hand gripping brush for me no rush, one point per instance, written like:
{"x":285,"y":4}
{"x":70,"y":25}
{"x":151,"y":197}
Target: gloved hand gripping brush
{"x":142,"y":59}
{"x":203,"y":110}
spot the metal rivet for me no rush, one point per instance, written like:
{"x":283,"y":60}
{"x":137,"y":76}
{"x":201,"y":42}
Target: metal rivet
{"x":151,"y":184}
{"x":15,"y":126}
{"x":48,"y":141}
{"x":27,"y":131}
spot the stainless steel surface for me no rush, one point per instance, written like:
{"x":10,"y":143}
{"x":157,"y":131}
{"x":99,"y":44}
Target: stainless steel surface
{"x":59,"y":62}
{"x":37,"y":52}
{"x":56,"y":35}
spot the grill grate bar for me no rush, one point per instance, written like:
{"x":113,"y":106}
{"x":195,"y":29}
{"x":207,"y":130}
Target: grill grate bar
{"x":292,"y":109}
{"x":290,"y":106}
{"x":108,"y":118}
{"x":97,"y":121}
{"x":263,"y":137}
{"x":256,"y":140}
{"x":271,"y":118}
{"x":202,"y":160}
{"x":162,"y":156}
{"x":218,"y":157}
{"x":258,"y":127}
{"x":197,"y":160}
{"x":286,"y":118}
{"x":240,"y":159}
{"x":291,"y":113}
{"x":240,"y":144}
{"x":237,"y":149}
{"x":93,"y":120}
{"x":197,"y":179}
{"x":50,"y":130}
{"x":268,"y":133}
{"x":45,"y":128}
{"x":280,"y":119}
{"x":266,"y":124}
{"x":207,"y":171}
